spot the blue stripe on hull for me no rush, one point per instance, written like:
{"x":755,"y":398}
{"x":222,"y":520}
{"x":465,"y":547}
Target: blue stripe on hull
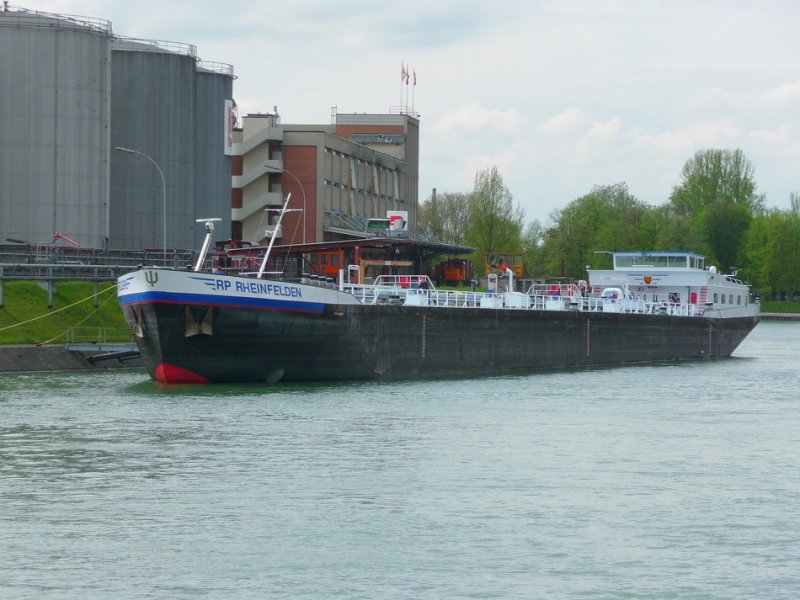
{"x":217,"y":300}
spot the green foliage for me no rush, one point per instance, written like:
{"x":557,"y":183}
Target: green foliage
{"x":444,"y":217}
{"x":532,"y":239}
{"x":608,"y":218}
{"x":794,"y":202}
{"x":26,"y":319}
{"x":755,"y":251}
{"x":780,"y":306}
{"x":716,"y":176}
{"x":718,"y":193}
{"x":714,"y":211}
{"x":783,"y":252}
{"x":771,"y":253}
{"x":495,"y":223}
{"x":669,"y":230}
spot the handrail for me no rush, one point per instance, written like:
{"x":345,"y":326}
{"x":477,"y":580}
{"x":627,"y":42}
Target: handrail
{"x":216,"y":67}
{"x":125,"y":43}
{"x":35,"y":18}
{"x":406,"y":290}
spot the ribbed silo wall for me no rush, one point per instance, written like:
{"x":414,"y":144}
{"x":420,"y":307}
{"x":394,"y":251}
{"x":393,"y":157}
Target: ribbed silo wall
{"x":54,"y":127}
{"x":152,"y":112}
{"x":213,"y":167}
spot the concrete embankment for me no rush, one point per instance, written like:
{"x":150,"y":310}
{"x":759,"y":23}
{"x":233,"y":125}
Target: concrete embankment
{"x":34,"y":359}
{"x":780,"y":317}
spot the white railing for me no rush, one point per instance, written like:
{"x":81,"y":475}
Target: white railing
{"x":215,"y":67}
{"x":558,"y":289}
{"x":34,"y":18}
{"x":143,"y":45}
{"x":417,"y":290}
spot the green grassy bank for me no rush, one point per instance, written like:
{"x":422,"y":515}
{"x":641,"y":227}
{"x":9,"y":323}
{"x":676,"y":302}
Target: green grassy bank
{"x":26,"y":319}
{"x":780,"y":306}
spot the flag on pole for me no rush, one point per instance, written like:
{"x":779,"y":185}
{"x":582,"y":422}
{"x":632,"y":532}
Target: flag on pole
{"x":403,"y":72}
{"x":415,"y":77}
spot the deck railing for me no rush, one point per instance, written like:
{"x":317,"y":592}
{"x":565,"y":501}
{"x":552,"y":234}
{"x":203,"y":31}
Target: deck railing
{"x":416,"y":290}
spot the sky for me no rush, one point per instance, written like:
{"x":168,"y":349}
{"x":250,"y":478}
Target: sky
{"x":560,"y":96}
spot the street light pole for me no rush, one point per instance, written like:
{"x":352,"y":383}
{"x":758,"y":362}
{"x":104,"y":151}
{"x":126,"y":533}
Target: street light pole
{"x":302,"y":191}
{"x":163,"y":192}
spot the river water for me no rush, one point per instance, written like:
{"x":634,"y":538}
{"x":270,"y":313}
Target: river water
{"x":672,"y":481}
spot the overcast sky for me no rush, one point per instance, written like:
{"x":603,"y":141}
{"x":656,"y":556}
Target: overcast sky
{"x":560,"y":95}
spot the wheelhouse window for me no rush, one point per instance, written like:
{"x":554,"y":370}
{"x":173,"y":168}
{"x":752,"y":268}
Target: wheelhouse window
{"x":658,"y":260}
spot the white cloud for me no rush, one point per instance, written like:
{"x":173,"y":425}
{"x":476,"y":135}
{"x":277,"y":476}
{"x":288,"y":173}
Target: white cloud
{"x":565,"y":122}
{"x":474,"y":116}
{"x":783,"y":95}
{"x":601,"y":137}
{"x":786,"y":93}
{"x":688,"y":139}
{"x":783,"y":139}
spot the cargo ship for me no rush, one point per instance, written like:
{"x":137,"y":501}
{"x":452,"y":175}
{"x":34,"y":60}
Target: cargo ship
{"x":197,"y":326}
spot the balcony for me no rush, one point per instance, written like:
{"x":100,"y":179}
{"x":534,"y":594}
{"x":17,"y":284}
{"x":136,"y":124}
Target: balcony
{"x":259,"y":203}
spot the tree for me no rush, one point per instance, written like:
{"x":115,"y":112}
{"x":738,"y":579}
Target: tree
{"x":532,"y":239}
{"x":794,"y":202}
{"x":607,"y":218}
{"x":725,"y":225}
{"x":443,"y":217}
{"x":718,"y":193}
{"x":495,"y":223}
{"x":783,"y":253}
{"x":755,"y":250}
{"x":668,"y":230}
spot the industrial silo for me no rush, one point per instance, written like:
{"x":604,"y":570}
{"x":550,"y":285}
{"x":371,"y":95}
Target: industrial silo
{"x":152,"y":114}
{"x":54,"y":126}
{"x":213,"y":95}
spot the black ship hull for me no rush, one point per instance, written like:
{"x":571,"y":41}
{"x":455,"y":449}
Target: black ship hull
{"x":185,"y":343}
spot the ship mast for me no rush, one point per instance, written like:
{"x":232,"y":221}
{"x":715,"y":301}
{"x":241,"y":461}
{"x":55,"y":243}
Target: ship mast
{"x":274,"y":235}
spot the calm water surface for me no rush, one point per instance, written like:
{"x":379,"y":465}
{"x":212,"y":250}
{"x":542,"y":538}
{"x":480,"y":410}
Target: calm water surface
{"x":676,"y":481}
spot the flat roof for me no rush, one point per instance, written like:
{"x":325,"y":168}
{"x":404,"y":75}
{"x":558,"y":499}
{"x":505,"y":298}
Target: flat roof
{"x":655,"y":253}
{"x":380,"y":242}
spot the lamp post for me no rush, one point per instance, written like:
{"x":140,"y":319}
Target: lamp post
{"x":302,"y":191}
{"x":163,"y":191}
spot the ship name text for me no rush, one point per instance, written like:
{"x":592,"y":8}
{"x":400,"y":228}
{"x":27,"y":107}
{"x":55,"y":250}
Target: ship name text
{"x":260,"y":287}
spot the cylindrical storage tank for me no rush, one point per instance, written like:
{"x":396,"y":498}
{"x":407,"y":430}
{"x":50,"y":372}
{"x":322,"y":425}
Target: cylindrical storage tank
{"x":213,"y":86}
{"x":55,"y":88}
{"x":153,"y":114}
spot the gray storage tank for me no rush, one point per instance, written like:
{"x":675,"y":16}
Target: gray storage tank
{"x":54,"y":126}
{"x":213,"y":86}
{"x":152,"y":112}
